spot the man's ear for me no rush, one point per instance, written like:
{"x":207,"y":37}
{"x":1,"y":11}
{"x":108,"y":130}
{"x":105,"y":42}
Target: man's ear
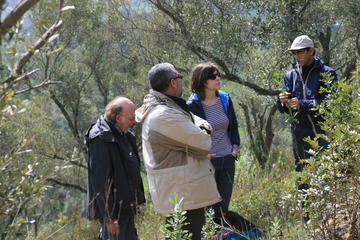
{"x":117,"y":118}
{"x":313,"y":51}
{"x":172,"y":83}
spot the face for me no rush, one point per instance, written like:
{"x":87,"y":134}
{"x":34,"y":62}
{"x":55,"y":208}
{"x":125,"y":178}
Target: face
{"x":180,"y":87}
{"x":303,"y":56}
{"x":126,"y":119}
{"x":177,"y":83}
{"x":213,"y":83}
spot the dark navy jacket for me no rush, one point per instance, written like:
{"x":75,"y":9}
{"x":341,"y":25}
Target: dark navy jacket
{"x":115,"y":186}
{"x":195,"y":106}
{"x":293,"y":84}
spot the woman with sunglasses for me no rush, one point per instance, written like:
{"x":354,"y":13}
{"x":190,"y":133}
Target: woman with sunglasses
{"x":208,"y":102}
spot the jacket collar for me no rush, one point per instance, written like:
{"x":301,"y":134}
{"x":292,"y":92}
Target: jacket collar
{"x":153,"y":99}
{"x":180,"y":102}
{"x":224,"y":98}
{"x":103,"y":129}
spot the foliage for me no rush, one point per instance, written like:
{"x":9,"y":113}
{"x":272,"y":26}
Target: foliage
{"x":333,"y":199}
{"x":173,"y":229}
{"x":209,"y":230}
{"x":105,"y":49}
{"x":148,"y":222}
{"x":275,"y":229}
{"x":290,"y":114}
{"x":67,"y":227}
{"x":22,"y":184}
{"x":18,"y":195}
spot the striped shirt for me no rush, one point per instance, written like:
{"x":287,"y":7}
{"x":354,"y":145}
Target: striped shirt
{"x":216,"y":116}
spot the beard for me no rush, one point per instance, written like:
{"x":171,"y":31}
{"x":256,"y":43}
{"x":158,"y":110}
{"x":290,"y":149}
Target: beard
{"x":180,"y":93}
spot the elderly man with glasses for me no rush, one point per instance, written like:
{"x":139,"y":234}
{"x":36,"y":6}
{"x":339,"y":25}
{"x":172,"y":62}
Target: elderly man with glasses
{"x":115,"y":186}
{"x":176,"y":145}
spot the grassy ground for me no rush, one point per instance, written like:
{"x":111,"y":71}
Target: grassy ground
{"x":259,"y":195}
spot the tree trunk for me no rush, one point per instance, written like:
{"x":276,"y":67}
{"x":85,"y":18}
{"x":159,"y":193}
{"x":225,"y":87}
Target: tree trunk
{"x":259,"y":129}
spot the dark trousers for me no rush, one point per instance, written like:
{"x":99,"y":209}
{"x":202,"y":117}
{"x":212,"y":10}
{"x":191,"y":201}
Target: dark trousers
{"x":196,"y":220}
{"x":224,"y":177}
{"x":127,"y":229}
{"x":301,"y":148}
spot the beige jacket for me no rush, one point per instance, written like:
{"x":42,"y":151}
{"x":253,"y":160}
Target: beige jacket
{"x":175,"y":150}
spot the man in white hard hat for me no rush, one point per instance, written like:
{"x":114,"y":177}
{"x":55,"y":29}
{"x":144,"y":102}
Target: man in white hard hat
{"x":301,"y":94}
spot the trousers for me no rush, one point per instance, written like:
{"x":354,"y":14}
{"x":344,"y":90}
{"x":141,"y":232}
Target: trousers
{"x":127,"y":229}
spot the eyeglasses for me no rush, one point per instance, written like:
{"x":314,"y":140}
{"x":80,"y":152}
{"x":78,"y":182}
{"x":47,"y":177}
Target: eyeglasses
{"x":213,"y":76}
{"x":177,"y":77}
{"x":297,"y":52}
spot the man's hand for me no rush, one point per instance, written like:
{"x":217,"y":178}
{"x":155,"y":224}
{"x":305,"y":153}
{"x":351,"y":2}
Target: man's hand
{"x":113,"y":227}
{"x":203,"y":124}
{"x":294,"y":103}
{"x":206,"y":127}
{"x":283,"y":97}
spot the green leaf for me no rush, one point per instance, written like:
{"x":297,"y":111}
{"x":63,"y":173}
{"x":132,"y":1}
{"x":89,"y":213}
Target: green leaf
{"x":51,"y":5}
{"x":43,"y":22}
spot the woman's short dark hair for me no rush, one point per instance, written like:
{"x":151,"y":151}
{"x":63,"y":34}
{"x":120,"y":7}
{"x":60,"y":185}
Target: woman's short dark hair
{"x":199,"y":75}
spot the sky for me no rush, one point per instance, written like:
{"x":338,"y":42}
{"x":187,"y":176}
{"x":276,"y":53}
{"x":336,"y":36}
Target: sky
{"x":12,"y":3}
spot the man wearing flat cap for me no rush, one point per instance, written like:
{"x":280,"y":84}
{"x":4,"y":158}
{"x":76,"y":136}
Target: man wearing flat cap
{"x":301,"y":94}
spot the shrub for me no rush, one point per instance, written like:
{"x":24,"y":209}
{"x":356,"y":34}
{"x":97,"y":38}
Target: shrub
{"x":333,"y":199}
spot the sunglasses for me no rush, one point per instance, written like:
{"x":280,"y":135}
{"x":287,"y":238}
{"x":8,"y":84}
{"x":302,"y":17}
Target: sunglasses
{"x":213,"y":76}
{"x":297,"y":52}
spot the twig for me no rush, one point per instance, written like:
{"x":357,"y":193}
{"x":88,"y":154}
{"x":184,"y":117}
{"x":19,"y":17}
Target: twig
{"x":24,"y":77}
{"x":15,"y":15}
{"x":77,"y":187}
{"x":39,"y":44}
{"x":52,"y":234}
{"x":43,"y":84}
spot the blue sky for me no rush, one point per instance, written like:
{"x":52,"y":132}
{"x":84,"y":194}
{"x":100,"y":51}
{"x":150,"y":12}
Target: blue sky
{"x":12,"y":3}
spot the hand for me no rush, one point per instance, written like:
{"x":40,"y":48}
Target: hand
{"x":211,"y":155}
{"x":283,"y":97}
{"x":206,"y":126}
{"x":294,"y":103}
{"x":235,"y":152}
{"x":113,"y":227}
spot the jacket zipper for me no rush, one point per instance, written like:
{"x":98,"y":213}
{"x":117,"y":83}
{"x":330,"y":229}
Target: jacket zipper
{"x":304,"y":95}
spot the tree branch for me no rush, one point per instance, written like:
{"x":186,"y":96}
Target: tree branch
{"x":15,"y":15}
{"x":63,"y":159}
{"x":24,"y":77}
{"x":203,"y":54}
{"x":269,"y":133}
{"x":39,"y":44}
{"x":43,"y":84}
{"x":64,"y":112}
{"x":69,"y":185}
{"x":324,"y":39}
